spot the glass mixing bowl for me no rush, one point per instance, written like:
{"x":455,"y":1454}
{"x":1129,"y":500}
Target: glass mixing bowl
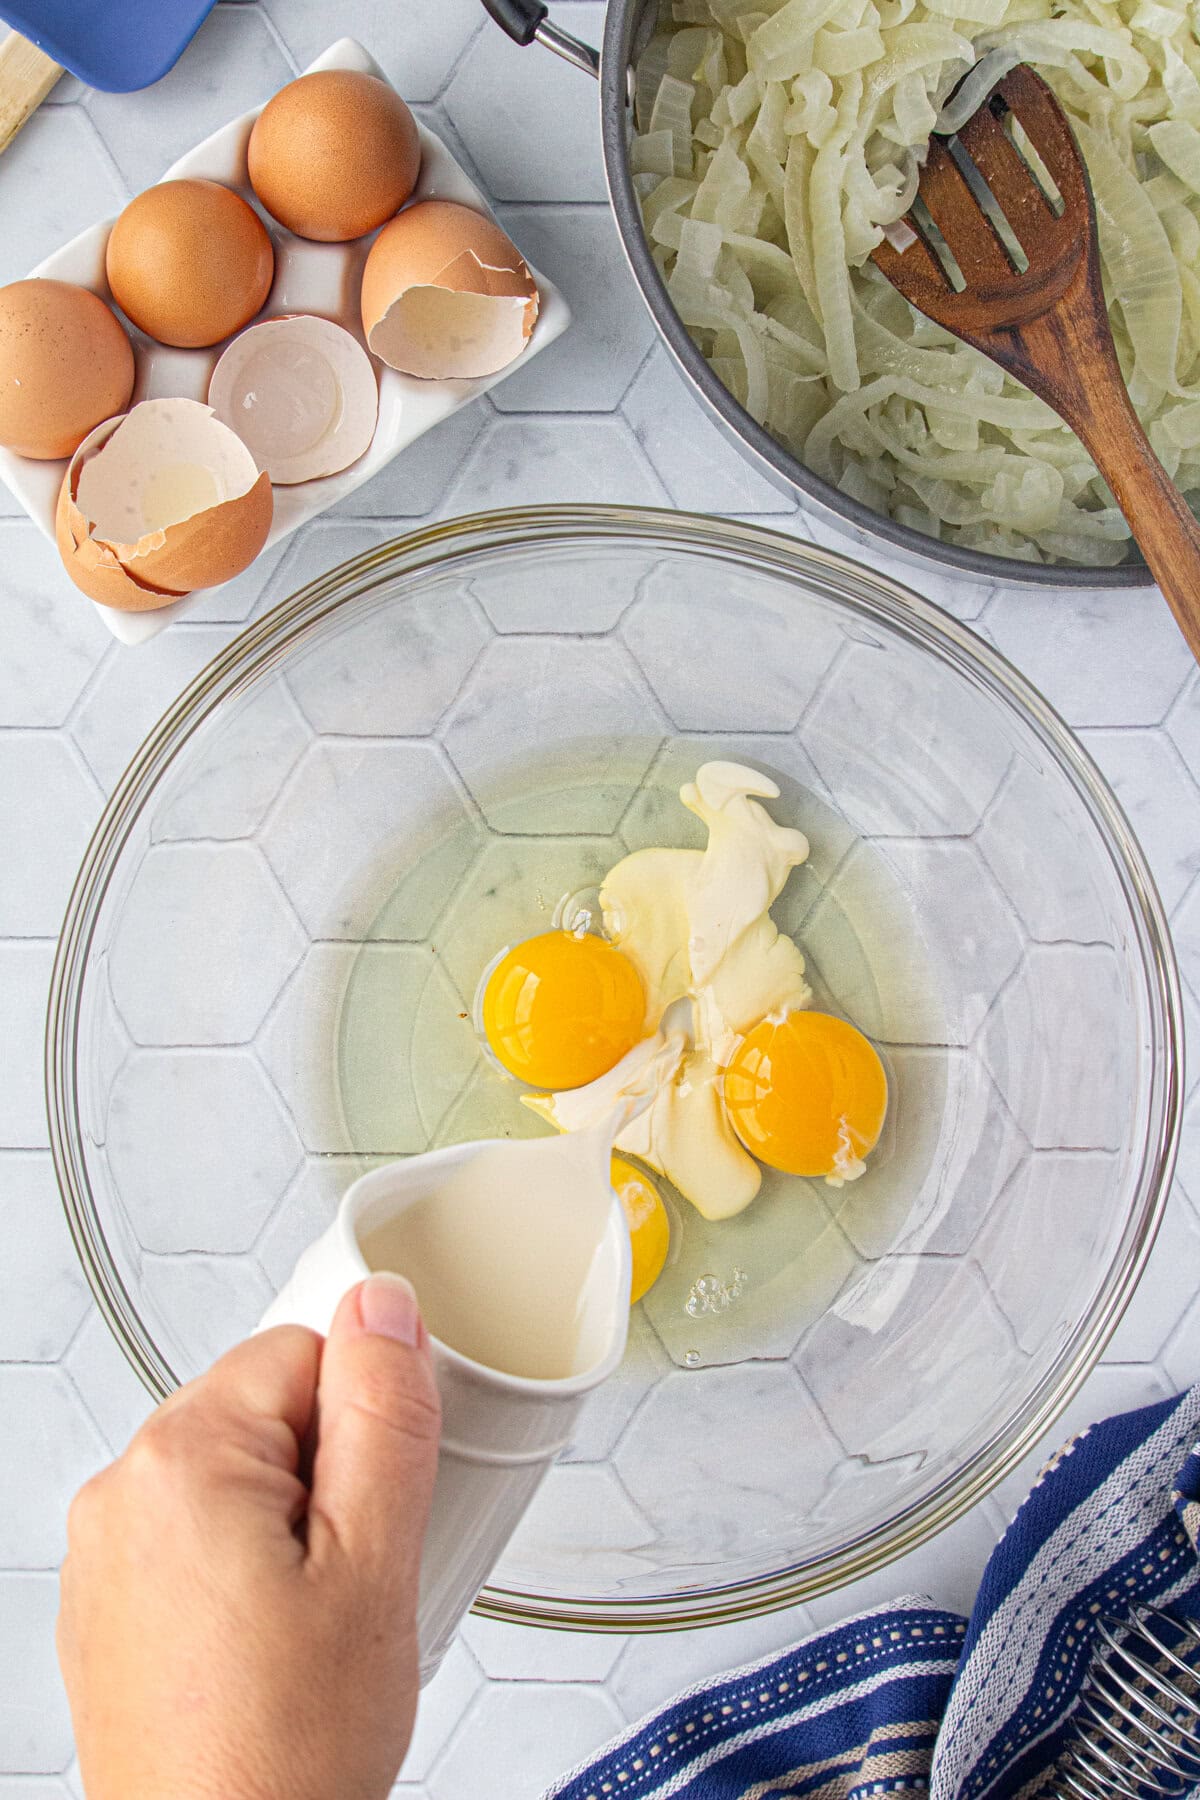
{"x":266,"y":976}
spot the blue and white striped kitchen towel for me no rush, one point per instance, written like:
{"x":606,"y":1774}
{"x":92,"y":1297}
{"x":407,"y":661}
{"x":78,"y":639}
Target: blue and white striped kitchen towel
{"x":913,"y":1697}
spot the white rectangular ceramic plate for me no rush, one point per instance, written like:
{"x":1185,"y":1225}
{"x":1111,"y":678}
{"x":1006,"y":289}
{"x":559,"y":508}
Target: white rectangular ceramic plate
{"x":309,"y":277}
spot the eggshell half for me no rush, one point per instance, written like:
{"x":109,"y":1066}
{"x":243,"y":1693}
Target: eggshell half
{"x":446,"y":294}
{"x":161,"y":461}
{"x":301,"y":394}
{"x":94,"y":568}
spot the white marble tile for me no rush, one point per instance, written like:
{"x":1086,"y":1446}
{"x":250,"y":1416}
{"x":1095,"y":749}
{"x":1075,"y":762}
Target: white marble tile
{"x":305,"y":1210}
{"x":211,"y":1301}
{"x":1191,"y":1033}
{"x":205,"y":943}
{"x":1161,"y":799}
{"x":680,"y":1455}
{"x":61,"y":163}
{"x":51,"y":1447}
{"x":1114,"y":658}
{"x":523,"y":1653}
{"x":298,"y":1047}
{"x":655,"y":1666}
{"x":1166,"y":1290}
{"x":947,"y":1569}
{"x":385,"y":810}
{"x":1030,"y":842}
{"x":53,"y":640}
{"x":417,"y":481}
{"x":42,"y":777}
{"x":579,"y":597}
{"x":963,"y":923}
{"x":1112,"y":1388}
{"x":531,"y":122}
{"x":232,"y":64}
{"x":1182,"y":724}
{"x":35,"y":1726}
{"x":1188,"y":1167}
{"x":1180,"y":1359}
{"x":576,"y":699}
{"x":701,"y":469}
{"x":324,"y":544}
{"x":516,"y":1739}
{"x":876,"y":714}
{"x":343,"y":1048}
{"x":398,"y":668}
{"x":24,"y":983}
{"x":963,"y":595}
{"x":1047,"y":1047}
{"x":1185,"y":929}
{"x":417,"y":44}
{"x":225,"y":1149}
{"x":1047,"y":1218}
{"x":590,"y":366}
{"x":580,"y":1509}
{"x":547,"y":461}
{"x":106,"y":1383}
{"x":443,"y":1704}
{"x":43,"y":1294}
{"x":133,"y":689}
{"x":229,"y":790}
{"x":946,"y":1389}
{"x":67,"y":90}
{"x":732,"y":664}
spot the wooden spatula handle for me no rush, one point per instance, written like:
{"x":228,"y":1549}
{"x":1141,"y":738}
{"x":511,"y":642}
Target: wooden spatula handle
{"x":1066,"y":354}
{"x":26,"y":76}
{"x":1168,"y":533}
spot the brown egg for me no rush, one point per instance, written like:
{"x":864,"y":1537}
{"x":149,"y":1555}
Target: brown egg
{"x":161,"y":501}
{"x":65,"y":364}
{"x":334,"y":154}
{"x":445,"y":294}
{"x":190,"y":262}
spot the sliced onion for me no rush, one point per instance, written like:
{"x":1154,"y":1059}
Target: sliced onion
{"x":788,"y":137}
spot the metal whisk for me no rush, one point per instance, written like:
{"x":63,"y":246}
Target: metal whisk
{"x":1138,"y":1724}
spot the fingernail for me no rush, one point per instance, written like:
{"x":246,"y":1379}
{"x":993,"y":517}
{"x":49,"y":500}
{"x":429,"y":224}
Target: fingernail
{"x":388,"y":1308}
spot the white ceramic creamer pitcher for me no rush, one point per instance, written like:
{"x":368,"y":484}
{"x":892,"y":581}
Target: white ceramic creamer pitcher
{"x":553,"y":1300}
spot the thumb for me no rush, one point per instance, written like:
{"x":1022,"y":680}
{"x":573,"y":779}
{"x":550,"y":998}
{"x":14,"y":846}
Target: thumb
{"x":379,"y":1420}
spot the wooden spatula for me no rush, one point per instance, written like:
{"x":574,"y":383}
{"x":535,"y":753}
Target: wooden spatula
{"x":26,"y":76}
{"x":1046,"y":324}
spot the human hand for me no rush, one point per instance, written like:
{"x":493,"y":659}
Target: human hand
{"x":238,"y":1625}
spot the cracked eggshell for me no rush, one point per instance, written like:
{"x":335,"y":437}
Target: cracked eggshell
{"x":446,"y":294}
{"x":158,"y":502}
{"x":301,"y":394}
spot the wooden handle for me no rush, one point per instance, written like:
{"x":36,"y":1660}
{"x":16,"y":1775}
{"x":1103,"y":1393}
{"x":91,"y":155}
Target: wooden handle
{"x":1166,"y":529}
{"x":1067,"y":356}
{"x":26,"y":76}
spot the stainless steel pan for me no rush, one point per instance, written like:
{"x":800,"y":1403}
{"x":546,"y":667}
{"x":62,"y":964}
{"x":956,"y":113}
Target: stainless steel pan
{"x":627,"y":26}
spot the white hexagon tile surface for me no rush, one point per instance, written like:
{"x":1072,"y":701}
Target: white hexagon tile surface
{"x":602,"y":416}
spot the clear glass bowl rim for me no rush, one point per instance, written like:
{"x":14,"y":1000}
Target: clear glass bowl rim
{"x":264,"y":644}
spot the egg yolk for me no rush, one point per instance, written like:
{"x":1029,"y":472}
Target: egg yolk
{"x":649,"y":1229}
{"x":560,"y":1010}
{"x":806,"y":1094}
